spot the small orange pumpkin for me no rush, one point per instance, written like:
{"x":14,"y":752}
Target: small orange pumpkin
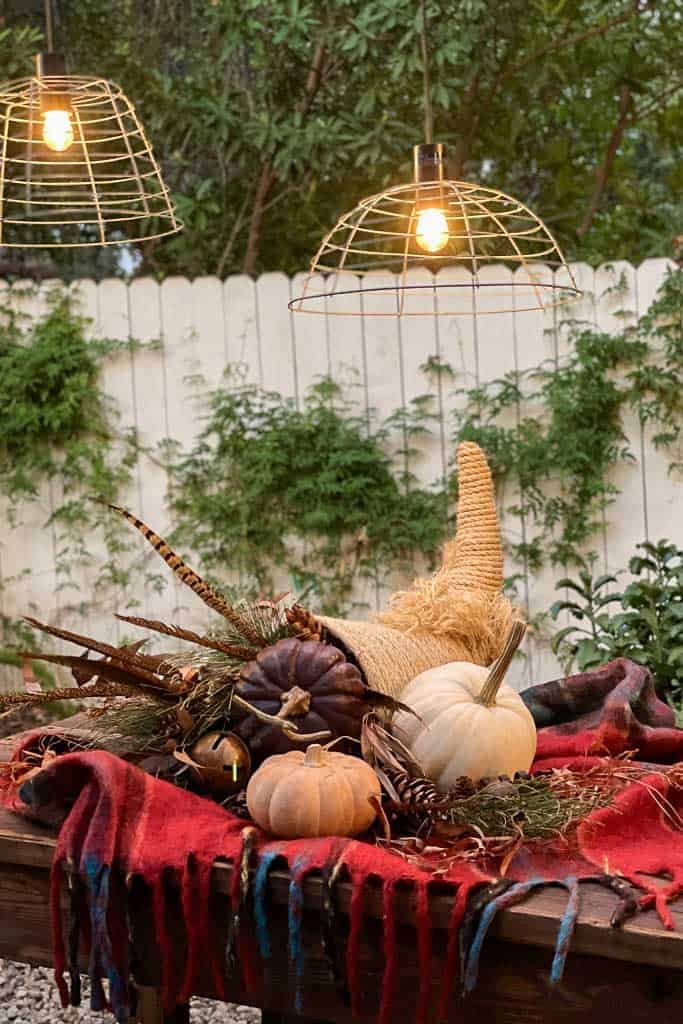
{"x":319,"y":793}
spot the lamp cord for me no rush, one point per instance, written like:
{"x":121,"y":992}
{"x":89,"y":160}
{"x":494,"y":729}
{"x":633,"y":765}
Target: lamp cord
{"x":49,"y":26}
{"x":426,"y":83}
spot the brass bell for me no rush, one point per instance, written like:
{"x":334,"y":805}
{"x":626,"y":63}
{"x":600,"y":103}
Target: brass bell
{"x":222,"y":762}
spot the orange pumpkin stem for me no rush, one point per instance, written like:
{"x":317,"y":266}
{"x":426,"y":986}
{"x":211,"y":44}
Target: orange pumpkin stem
{"x":314,"y":756}
{"x":489,"y":690}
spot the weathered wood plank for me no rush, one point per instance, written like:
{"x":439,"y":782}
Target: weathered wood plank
{"x":512,"y":988}
{"x":26,"y":845}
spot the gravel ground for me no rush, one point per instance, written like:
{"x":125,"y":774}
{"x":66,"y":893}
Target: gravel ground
{"x":28,"y":995}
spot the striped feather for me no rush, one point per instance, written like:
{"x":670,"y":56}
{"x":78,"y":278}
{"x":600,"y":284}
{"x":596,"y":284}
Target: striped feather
{"x":179,"y":633}
{"x":124,"y":656}
{"x":204,"y":591}
{"x":129,"y":677}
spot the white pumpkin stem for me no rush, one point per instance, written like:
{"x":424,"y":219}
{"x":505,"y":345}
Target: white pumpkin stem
{"x":314,"y":756}
{"x":489,"y":690}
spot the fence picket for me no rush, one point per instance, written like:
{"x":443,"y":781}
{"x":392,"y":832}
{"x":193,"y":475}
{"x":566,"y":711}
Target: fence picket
{"x":624,"y":520}
{"x":661,"y":484}
{"x":241,"y":318}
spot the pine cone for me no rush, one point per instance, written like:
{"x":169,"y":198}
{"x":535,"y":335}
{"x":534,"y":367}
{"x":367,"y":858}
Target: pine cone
{"x":303,"y":623}
{"x":417,"y":795}
{"x":237,"y":805}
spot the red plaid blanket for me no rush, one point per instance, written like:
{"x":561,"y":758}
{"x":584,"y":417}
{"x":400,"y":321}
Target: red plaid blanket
{"x":119,"y":824}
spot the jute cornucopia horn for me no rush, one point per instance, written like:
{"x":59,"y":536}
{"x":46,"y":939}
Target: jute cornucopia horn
{"x":458,"y":614}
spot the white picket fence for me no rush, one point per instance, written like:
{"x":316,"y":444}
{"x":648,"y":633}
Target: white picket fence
{"x":205,"y":324}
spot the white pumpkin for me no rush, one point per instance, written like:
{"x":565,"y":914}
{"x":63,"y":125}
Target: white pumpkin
{"x":469,"y":722}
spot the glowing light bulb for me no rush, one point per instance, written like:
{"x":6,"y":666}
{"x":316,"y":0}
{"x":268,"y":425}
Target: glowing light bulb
{"x":431,"y":233}
{"x":58,"y":133}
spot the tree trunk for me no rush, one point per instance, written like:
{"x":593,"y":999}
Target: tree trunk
{"x":603,"y":172}
{"x":468,"y":120}
{"x":267,"y":179}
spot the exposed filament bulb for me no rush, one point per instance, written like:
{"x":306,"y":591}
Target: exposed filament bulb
{"x":58,"y":133}
{"x":431,"y":233}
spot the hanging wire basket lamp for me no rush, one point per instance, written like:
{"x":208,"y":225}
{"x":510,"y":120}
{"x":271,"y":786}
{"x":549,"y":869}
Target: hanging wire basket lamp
{"x":436,"y":246}
{"x":76,"y":167}
{"x":451,"y":229}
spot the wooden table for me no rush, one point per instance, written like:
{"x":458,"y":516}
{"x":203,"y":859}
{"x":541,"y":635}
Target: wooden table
{"x":633,"y":975}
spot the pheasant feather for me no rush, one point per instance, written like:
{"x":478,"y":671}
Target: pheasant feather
{"x":190,"y":578}
{"x":133,"y":677}
{"x":121,"y":655}
{"x":179,"y":633}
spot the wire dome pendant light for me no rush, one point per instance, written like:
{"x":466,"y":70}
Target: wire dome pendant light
{"x":436,"y":246}
{"x":76,"y":168}
{"x":451,"y":229}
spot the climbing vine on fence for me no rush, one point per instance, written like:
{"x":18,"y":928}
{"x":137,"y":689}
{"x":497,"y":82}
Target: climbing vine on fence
{"x":560,"y":459}
{"x":56,"y":425}
{"x":311,"y":491}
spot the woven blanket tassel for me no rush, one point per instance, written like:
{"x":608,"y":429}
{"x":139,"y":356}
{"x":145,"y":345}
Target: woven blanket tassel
{"x":195,"y":895}
{"x":629,"y":898}
{"x":74,"y":932}
{"x":56,"y":878}
{"x":101,"y":953}
{"x":424,"y":948}
{"x":515,"y":894}
{"x":566,"y":930}
{"x":353,"y":943}
{"x":477,"y":902}
{"x":328,"y":928}
{"x":163,"y":938}
{"x":266,"y":862}
{"x":512,"y":895}
{"x":389,"y":929}
{"x":452,"y":952}
{"x":294,"y":921}
{"x":239,"y":896}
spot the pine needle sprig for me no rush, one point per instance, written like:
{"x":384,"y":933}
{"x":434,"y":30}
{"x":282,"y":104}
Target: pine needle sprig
{"x":535,"y":808}
{"x":209,"y":704}
{"x":265,"y":620}
{"x":141,"y":722}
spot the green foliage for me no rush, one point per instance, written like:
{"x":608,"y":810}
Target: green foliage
{"x":560,"y":458}
{"x":263,"y":146}
{"x":309,"y":490}
{"x":56,"y":425}
{"x":646,"y":627}
{"x":48,"y":395}
{"x":18,"y":44}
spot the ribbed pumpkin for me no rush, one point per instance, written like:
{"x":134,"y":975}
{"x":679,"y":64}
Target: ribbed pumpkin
{"x":318,"y":793}
{"x":468,"y":722}
{"x":308,"y":682}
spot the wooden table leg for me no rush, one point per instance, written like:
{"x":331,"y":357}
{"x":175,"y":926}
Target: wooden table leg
{"x":150,"y":1010}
